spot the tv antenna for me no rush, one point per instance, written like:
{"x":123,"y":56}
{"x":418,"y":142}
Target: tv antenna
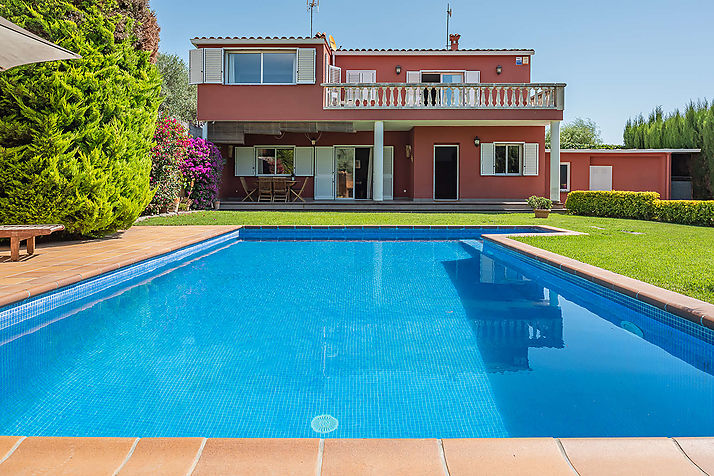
{"x":448,"y":16}
{"x":312,"y":4}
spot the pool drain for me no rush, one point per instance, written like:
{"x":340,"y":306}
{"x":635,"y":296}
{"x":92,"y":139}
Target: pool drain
{"x":324,"y":423}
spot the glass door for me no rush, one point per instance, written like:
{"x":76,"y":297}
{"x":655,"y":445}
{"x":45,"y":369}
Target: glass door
{"x":344,"y":172}
{"x":452,"y":97}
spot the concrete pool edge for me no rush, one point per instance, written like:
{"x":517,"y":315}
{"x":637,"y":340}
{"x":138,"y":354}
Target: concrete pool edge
{"x":449,"y":457}
{"x":689,"y":308}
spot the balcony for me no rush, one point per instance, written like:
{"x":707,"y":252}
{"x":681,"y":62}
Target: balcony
{"x":426,"y":96}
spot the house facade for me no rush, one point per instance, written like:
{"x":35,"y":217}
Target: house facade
{"x":422,"y":125}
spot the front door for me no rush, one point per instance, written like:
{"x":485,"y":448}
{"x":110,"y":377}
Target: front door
{"x":353,"y":166}
{"x":446,"y":172}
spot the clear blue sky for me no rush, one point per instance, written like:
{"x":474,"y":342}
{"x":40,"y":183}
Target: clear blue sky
{"x":619,"y":57}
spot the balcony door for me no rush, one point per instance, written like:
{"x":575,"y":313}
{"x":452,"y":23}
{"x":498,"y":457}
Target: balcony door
{"x":446,"y":172}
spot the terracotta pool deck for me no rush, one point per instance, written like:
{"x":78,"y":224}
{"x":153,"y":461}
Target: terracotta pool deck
{"x":313,"y":457}
{"x":59,"y":264}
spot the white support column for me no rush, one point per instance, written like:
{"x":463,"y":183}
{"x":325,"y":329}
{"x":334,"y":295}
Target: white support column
{"x":204,"y":131}
{"x":378,"y":168}
{"x":555,"y":161}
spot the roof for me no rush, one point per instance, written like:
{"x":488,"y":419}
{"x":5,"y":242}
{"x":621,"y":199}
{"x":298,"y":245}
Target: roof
{"x":255,"y":39}
{"x":433,"y":51}
{"x":628,"y":151}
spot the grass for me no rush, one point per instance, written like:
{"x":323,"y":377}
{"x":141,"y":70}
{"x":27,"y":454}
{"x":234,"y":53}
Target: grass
{"x":675,"y":257}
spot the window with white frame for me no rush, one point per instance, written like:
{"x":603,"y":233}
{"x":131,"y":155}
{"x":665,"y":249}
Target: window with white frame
{"x":275,"y":160}
{"x":261,"y":67}
{"x":565,"y":176}
{"x":508,"y":159}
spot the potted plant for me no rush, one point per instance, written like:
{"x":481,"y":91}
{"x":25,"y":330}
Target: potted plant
{"x":540,"y":205}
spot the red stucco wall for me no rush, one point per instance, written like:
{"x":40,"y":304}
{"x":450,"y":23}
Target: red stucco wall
{"x":471,"y":183}
{"x":637,"y":171}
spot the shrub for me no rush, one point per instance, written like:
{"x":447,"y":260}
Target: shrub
{"x":202,"y":169}
{"x":75,"y":136}
{"x":686,"y":212}
{"x":636,"y":205}
{"x":540,"y":203}
{"x":167,"y":156}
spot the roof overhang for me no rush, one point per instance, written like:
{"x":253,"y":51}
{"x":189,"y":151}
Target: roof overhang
{"x":629,"y":151}
{"x":434,"y":52}
{"x":257,"y":41}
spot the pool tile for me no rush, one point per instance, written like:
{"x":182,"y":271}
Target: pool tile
{"x":162,"y":456}
{"x":628,"y":457}
{"x":258,"y":457}
{"x":508,"y":456}
{"x":699,"y":450}
{"x":381,"y":457}
{"x":68,"y":456}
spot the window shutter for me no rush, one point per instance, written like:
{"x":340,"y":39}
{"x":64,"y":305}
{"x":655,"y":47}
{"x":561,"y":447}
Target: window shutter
{"x":487,"y":159}
{"x":324,"y":174}
{"x":213,"y":65}
{"x":195,"y":66}
{"x":530,"y":160}
{"x":306,"y":66}
{"x":353,"y":77}
{"x":245,"y":161}
{"x":413,"y":77}
{"x":472,"y":77}
{"x":303,"y":161}
{"x":388,"y":173}
{"x":335,"y":75}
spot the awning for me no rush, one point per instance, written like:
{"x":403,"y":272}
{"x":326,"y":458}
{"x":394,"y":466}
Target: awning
{"x":18,"y":46}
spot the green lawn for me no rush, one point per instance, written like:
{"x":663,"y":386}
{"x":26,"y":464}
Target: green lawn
{"x":676,"y":257}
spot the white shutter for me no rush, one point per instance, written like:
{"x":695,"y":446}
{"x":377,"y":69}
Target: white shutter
{"x":195,"y":66}
{"x":487,"y":158}
{"x":245,"y":161}
{"x":472,"y":77}
{"x":335,"y":74}
{"x":530,"y":159}
{"x":305,"y":66}
{"x":303,"y":161}
{"x":601,"y":177}
{"x":324,"y":173}
{"x":471,"y":94}
{"x":388,"y":173}
{"x":413,"y":77}
{"x":353,"y":77}
{"x":213,"y":65}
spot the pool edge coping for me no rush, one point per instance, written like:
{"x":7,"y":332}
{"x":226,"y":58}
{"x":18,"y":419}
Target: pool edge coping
{"x":689,"y":308}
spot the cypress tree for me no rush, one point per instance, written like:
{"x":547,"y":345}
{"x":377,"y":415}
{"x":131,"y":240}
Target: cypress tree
{"x":75,"y":136}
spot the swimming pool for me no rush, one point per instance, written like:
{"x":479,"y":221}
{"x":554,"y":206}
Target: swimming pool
{"x":377,"y":333}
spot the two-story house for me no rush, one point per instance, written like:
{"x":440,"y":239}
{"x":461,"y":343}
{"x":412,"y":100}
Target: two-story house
{"x":422,"y":125}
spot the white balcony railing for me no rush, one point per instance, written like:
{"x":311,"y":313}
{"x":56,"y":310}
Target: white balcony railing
{"x":444,"y":96}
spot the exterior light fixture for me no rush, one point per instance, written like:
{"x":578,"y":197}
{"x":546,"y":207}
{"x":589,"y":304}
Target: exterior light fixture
{"x":499,"y":69}
{"x":477,"y":141}
{"x":398,"y":70}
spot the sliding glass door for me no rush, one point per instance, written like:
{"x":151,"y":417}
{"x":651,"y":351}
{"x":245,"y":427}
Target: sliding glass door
{"x":344,"y":172}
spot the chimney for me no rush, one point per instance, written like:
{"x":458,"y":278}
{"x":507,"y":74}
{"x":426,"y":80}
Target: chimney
{"x":454,"y":39}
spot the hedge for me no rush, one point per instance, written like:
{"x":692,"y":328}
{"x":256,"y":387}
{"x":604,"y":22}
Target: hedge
{"x":640,"y":206}
{"x":636,"y":205}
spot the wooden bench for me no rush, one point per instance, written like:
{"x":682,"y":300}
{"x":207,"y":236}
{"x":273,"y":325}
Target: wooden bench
{"x":18,"y":233}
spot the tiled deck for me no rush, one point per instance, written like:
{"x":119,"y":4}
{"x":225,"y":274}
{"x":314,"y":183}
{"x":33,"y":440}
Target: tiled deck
{"x":310,"y":457}
{"x":59,"y":264}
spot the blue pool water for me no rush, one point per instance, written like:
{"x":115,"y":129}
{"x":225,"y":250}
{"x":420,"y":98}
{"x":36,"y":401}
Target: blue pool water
{"x":358,"y":339}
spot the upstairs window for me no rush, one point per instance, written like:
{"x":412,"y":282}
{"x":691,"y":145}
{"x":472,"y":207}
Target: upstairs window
{"x":508,"y":159}
{"x":261,"y":68}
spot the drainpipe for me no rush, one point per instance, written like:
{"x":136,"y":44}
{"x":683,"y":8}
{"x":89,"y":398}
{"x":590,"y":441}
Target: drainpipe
{"x":555,"y":161}
{"x":378,"y":169}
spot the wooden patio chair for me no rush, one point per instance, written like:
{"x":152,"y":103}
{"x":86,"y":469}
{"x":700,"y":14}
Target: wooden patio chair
{"x":298,"y":195}
{"x":248,"y":193}
{"x":265,"y":189}
{"x":281,"y":192}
